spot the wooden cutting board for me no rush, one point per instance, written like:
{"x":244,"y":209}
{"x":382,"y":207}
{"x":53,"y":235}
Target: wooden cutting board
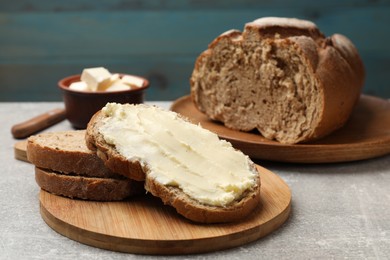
{"x":365,"y":135}
{"x":143,"y":225}
{"x":20,"y":150}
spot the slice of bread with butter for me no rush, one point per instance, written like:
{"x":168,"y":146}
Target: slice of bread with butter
{"x":204,"y":178}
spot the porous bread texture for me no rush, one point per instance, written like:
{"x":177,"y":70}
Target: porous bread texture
{"x":86,"y":188}
{"x":66,"y":152}
{"x":170,"y":195}
{"x":65,"y":166}
{"x":281,"y":76}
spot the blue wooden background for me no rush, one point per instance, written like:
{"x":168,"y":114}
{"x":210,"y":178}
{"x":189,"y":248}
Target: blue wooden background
{"x":43,"y":41}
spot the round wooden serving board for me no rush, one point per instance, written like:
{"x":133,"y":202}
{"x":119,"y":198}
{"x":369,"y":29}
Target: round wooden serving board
{"x":144,"y":225}
{"x":366,"y":135}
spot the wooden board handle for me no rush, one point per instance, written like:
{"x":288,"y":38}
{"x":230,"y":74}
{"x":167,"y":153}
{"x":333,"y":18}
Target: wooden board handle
{"x":38,"y":123}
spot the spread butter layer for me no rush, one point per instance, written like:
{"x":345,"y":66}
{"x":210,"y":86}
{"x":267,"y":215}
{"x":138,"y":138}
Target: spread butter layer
{"x":178,"y":153}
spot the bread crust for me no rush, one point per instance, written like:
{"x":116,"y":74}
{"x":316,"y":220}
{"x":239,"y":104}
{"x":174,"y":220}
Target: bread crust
{"x":184,"y":205}
{"x":67,"y":153}
{"x":87,"y":188}
{"x":332,"y":63}
{"x":107,"y":153}
{"x":195,"y":211}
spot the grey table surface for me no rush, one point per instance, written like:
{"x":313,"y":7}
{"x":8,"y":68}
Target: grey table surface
{"x":339,"y":211}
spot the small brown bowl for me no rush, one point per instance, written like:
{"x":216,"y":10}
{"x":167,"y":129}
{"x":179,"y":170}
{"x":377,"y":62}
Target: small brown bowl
{"x":80,"y":106}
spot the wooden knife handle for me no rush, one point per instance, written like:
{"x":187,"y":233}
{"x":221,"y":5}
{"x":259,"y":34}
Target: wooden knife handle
{"x":38,"y":123}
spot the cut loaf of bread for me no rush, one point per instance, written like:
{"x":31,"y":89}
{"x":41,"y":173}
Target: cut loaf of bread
{"x":281,"y":76}
{"x":86,"y":188}
{"x":205,"y":179}
{"x":65,"y":166}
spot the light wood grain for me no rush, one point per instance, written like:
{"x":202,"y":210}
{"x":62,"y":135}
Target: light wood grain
{"x":144,"y":225}
{"x":20,"y":151}
{"x":366,"y":135}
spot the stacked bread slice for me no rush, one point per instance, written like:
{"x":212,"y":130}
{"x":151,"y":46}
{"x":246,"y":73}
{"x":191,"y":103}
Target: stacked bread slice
{"x":65,"y":166}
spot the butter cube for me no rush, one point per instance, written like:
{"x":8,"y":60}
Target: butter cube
{"x":115,"y":78}
{"x":118,"y":86}
{"x":132,"y":81}
{"x":97,"y":79}
{"x":79,"y":86}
